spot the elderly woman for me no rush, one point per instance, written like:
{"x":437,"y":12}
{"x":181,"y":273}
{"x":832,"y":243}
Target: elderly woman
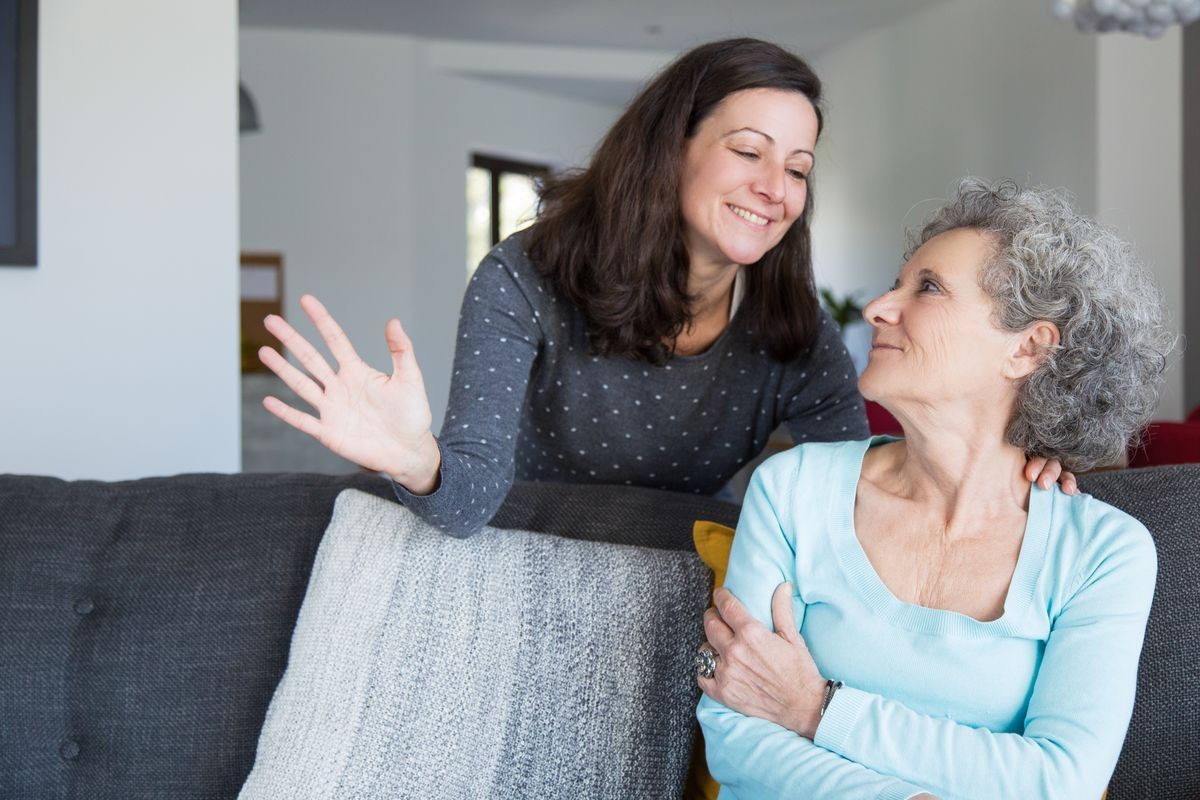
{"x":941,"y":626}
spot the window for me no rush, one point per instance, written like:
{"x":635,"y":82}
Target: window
{"x":501,"y":199}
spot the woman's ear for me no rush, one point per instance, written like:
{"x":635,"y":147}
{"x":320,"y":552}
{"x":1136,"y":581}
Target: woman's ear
{"x":1030,"y":348}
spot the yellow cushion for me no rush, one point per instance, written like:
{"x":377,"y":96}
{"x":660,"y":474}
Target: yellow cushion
{"x":713,"y":542}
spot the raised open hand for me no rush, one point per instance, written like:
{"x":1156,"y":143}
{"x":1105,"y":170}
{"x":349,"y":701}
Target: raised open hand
{"x":379,"y":421}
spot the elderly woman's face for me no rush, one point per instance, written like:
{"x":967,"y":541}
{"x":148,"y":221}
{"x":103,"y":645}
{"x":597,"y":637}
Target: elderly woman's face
{"x":934,"y":339}
{"x":744,"y":175}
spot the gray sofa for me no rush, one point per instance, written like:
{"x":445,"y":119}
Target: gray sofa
{"x":144,"y":625}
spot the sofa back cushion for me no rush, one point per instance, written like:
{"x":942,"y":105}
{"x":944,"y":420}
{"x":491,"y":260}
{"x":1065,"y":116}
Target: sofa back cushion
{"x":510,"y":664}
{"x":144,"y":625}
{"x":1160,"y":758}
{"x":619,"y":514}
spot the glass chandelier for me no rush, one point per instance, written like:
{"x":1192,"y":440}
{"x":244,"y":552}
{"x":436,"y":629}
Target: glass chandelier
{"x":1149,"y":18}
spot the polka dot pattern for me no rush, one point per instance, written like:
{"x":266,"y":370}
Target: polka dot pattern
{"x":529,"y":400}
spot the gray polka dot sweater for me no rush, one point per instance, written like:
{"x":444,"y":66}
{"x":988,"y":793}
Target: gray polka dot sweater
{"x":528,"y":400}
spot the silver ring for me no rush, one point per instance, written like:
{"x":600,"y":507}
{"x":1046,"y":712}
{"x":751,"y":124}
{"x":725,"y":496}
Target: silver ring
{"x":706,"y":663}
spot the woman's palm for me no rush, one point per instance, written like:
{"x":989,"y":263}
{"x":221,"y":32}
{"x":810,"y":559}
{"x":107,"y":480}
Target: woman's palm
{"x":376,"y":420}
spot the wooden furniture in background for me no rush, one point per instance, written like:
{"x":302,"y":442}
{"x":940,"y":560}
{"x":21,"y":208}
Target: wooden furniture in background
{"x":262,"y":294}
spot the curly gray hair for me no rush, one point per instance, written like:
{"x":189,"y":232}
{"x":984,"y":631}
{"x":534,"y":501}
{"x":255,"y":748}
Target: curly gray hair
{"x":1099,"y":386}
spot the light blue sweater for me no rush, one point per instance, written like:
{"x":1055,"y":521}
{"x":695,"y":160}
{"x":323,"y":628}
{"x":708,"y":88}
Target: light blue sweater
{"x":1034,"y":704}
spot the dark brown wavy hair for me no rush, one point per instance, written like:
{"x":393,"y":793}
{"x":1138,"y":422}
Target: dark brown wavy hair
{"x":610,"y":238}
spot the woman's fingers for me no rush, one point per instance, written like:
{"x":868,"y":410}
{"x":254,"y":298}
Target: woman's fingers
{"x":732,"y":610}
{"x":305,"y":387}
{"x":297,"y":419}
{"x":1033,"y":469}
{"x":313,"y":361}
{"x":781,"y":612}
{"x":400,"y":346}
{"x":1046,"y":471}
{"x":335,"y":338}
{"x":720,"y":634}
{"x":1050,"y":473}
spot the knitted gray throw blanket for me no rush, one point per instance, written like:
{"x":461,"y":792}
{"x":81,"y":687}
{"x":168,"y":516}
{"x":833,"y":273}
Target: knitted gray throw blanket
{"x":508,"y":665}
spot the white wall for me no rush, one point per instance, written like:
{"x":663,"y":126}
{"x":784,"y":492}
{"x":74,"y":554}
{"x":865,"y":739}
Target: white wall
{"x":328,"y":181}
{"x":1139,"y":167}
{"x":359,"y":174}
{"x":999,"y":90}
{"x":963,"y":87}
{"x":120,"y":349}
{"x":465,"y":115}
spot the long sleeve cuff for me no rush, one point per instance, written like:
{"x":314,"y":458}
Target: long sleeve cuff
{"x":466,"y":498}
{"x":409,"y":499}
{"x":844,"y":711}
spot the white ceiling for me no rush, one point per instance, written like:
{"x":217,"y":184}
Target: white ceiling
{"x":807,"y":26}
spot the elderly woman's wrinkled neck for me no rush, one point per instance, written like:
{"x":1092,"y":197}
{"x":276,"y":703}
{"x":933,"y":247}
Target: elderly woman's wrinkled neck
{"x":950,"y":375}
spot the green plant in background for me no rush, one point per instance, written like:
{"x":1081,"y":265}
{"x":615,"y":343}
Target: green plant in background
{"x":844,"y":310}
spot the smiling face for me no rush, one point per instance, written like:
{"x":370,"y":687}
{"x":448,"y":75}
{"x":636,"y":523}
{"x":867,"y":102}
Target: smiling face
{"x":934,"y":339}
{"x":744,"y":179}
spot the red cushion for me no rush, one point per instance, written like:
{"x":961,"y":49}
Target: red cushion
{"x":881,"y":421}
{"x":1167,"y":443}
{"x":1195,"y":415}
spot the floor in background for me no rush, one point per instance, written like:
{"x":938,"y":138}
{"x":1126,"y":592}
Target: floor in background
{"x":271,"y":445}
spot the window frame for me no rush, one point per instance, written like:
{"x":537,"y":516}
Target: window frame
{"x":497,"y":166}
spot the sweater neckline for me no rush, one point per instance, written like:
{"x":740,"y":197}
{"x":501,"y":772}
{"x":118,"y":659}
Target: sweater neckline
{"x":862,"y":576}
{"x":739,"y":293}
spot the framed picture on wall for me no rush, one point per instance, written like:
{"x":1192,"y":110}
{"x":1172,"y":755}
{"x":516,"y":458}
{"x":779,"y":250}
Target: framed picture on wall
{"x":18,"y":132}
